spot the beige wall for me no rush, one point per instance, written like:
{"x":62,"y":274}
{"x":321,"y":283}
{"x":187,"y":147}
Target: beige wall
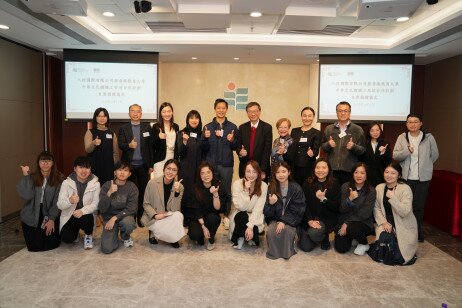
{"x":21,"y":119}
{"x":282,"y":90}
{"x":443,"y":110}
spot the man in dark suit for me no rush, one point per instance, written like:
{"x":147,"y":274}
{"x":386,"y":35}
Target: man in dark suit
{"x":135,"y":141}
{"x":254,"y":140}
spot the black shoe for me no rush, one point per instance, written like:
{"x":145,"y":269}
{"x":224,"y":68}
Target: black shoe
{"x":201,"y":242}
{"x":175,"y":245}
{"x":325,"y":244}
{"x":152,"y":240}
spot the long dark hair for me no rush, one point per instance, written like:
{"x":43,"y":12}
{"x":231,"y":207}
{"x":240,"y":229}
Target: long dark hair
{"x":368,"y":135}
{"x":55,"y":178}
{"x":257,"y":186}
{"x":188,"y":128}
{"x":160,"y":120}
{"x":96,"y":113}
{"x":313,"y":179}
{"x":275,"y":186}
{"x":366,"y":182}
{"x":198,"y":187}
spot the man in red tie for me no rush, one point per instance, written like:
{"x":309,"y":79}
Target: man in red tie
{"x":254,"y":140}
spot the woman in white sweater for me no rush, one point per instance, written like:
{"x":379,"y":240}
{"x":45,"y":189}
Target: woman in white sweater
{"x":393,"y":214}
{"x":249,"y":196}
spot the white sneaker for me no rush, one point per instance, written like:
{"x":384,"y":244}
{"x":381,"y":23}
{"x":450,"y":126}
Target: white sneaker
{"x":361,"y":249}
{"x":88,"y":242}
{"x":226,"y":223}
{"x":128,"y":243}
{"x":240,"y":243}
{"x":210,"y":246}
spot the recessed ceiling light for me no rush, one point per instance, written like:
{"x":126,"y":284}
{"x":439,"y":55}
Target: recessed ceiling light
{"x":317,"y":60}
{"x":193,"y":58}
{"x":255,"y":14}
{"x":108,"y":14}
{"x":236,"y":58}
{"x":278,"y":59}
{"x":4,"y":27}
{"x":401,"y":19}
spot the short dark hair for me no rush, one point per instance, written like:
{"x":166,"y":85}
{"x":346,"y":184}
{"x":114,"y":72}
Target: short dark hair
{"x":308,"y":108}
{"x":96,"y":113}
{"x":251,"y":104}
{"x":414,"y":115}
{"x":82,"y":161}
{"x":122,"y":164}
{"x":343,"y":103}
{"x":220,"y":100}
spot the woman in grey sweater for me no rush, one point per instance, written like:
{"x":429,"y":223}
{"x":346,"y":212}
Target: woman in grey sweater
{"x":40,"y":214}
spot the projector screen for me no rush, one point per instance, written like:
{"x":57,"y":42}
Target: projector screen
{"x":114,"y":86}
{"x":379,"y":92}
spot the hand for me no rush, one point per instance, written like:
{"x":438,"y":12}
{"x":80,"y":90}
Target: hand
{"x":331,"y":142}
{"x":243,"y":152}
{"x":315,"y":224}
{"x":353,"y":194}
{"x":247,"y":185}
{"x":280,"y":226}
{"x":321,"y":194}
{"x":214,"y":190}
{"x":96,"y":141}
{"x":151,"y":170}
{"x":310,"y":152}
{"x":230,"y":136}
{"x":411,"y":148}
{"x":206,"y":132}
{"x":77,"y":213}
{"x":218,"y":133}
{"x":162,"y":135}
{"x":205,"y":231}
{"x":74,"y":199}
{"x":112,"y":189}
{"x":160,"y":216}
{"x":281,"y":149}
{"x":49,"y":227}
{"x":387,"y":227}
{"x":110,"y":224}
{"x":342,"y":230}
{"x":382,"y":149}
{"x":133,"y":144}
{"x":391,"y":193}
{"x":350,"y":144}
{"x":25,"y":170}
{"x":248,"y":234}
{"x":185,"y":138}
{"x":272,"y":199}
{"x":176,"y":186}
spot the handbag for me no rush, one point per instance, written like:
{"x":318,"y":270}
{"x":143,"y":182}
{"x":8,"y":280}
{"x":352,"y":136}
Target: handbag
{"x":385,"y":250}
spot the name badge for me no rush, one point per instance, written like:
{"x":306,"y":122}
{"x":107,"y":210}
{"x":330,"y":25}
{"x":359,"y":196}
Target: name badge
{"x":146,"y":134}
{"x":108,"y":136}
{"x":304,"y":139}
{"x":342,"y":134}
{"x":221,"y":133}
{"x":281,"y":140}
{"x":193,"y":135}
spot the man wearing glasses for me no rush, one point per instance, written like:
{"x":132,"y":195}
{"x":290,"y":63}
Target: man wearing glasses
{"x":417,"y":152}
{"x":343,"y":142}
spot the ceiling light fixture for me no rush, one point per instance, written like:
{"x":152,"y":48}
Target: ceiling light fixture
{"x":108,"y":14}
{"x":278,"y":59}
{"x":255,"y":14}
{"x":236,"y":58}
{"x":4,"y":27}
{"x":401,"y":19}
{"x":193,"y":58}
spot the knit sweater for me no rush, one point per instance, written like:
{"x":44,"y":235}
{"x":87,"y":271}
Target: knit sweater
{"x":121,"y":203}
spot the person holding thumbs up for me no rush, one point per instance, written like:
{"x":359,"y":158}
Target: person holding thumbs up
{"x":78,"y":200}
{"x":101,"y":146}
{"x":279,"y":152}
{"x":343,"y":142}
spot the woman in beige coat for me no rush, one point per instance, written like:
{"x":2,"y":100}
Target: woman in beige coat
{"x":393,"y":213}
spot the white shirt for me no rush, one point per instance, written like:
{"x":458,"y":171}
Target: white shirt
{"x":254,"y":125}
{"x":414,"y":166}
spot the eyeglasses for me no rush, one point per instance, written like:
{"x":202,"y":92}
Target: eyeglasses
{"x":45,"y":161}
{"x":171,"y":169}
{"x":413,"y":122}
{"x":343,"y":111}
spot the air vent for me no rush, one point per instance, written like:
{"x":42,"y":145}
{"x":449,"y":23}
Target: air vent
{"x":161,"y":27}
{"x":441,"y":38}
{"x":328,"y":30}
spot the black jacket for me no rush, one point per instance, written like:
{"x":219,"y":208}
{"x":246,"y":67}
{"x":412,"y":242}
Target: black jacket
{"x":297,"y":150}
{"x":361,"y":209}
{"x":375,"y":162}
{"x":125,"y":136}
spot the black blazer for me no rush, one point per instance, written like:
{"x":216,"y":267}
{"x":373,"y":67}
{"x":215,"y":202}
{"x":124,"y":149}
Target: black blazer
{"x":376,"y":163}
{"x":297,"y":150}
{"x":261,"y":147}
{"x":125,"y":136}
{"x":159,"y":149}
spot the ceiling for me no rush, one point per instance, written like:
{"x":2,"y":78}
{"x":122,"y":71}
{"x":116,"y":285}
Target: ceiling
{"x":294,"y":31}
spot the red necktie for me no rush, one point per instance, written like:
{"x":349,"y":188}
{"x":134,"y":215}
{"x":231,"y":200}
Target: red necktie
{"x":253,"y":132}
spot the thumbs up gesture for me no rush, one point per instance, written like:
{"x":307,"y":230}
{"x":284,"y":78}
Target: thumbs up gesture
{"x":112,"y":189}
{"x":243,"y":152}
{"x":390,"y":193}
{"x":214,"y":190}
{"x":74,"y":199}
{"x":321,"y":194}
{"x":162,"y":135}
{"x":25,"y":170}
{"x":185,"y":138}
{"x":382,"y":149}
{"x":353,"y":194}
{"x":310,"y":152}
{"x":272,"y":199}
{"x":133,"y":144}
{"x":331,"y":142}
{"x":281,"y":149}
{"x":206,"y":132}
{"x":350,"y":144}
{"x":230,"y":136}
{"x":96,"y":141}
{"x":176,"y":186}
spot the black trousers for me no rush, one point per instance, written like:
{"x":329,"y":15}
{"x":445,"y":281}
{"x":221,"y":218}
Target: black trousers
{"x":342,"y":176}
{"x":302,"y":173}
{"x":140,"y":177}
{"x":240,"y":225}
{"x":211,"y":221}
{"x":70,"y":230}
{"x":355,"y":230}
{"x":419,"y":193}
{"x":36,"y":238}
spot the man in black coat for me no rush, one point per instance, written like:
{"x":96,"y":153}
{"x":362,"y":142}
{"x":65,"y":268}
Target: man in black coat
{"x":135,"y":141}
{"x":254,"y":140}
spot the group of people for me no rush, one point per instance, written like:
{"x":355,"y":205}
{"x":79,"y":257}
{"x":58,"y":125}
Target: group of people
{"x":168,"y":179}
